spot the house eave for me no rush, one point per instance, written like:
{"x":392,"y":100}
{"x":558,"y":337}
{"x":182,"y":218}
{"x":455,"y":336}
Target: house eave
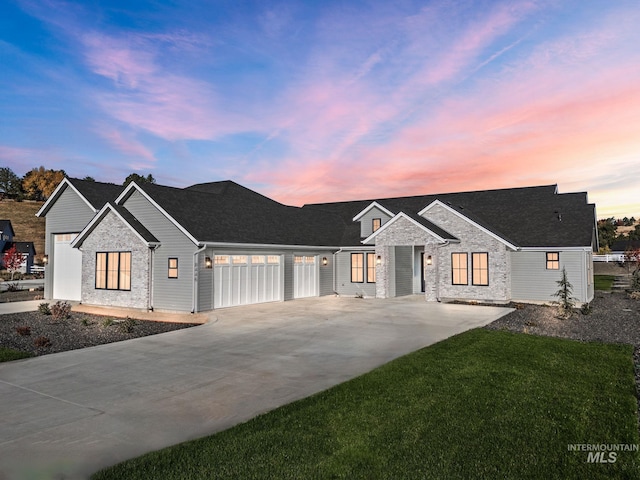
{"x":371,"y":206}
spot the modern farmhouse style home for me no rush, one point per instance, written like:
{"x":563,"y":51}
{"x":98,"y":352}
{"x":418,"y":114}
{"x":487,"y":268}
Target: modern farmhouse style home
{"x":219,"y":244}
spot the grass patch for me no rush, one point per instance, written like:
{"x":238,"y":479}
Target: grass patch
{"x":603,"y":282}
{"x":482,"y":404}
{"x":9,"y":354}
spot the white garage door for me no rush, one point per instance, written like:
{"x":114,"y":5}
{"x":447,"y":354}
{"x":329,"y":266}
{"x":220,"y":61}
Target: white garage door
{"x":67,"y":268}
{"x":305,"y":276}
{"x":246,"y":279}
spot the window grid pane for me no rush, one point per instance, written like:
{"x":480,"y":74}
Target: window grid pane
{"x":101,"y":270}
{"x":112,"y":270}
{"x":273,"y":259}
{"x":553,"y":261}
{"x":376,"y":223}
{"x":480,"y":265}
{"x":256,"y":259}
{"x":221,"y":259}
{"x":125,"y":271}
{"x":357,"y":267}
{"x":173,"y":268}
{"x":371,"y":268}
{"x":459,"y":272}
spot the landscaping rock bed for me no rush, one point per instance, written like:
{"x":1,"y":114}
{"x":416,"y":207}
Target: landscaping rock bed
{"x":40,"y":334}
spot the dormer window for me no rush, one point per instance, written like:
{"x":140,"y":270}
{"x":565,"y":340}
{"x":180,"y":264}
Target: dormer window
{"x":375,"y":224}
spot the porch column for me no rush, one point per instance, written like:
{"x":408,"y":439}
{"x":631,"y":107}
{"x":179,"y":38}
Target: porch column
{"x":430,"y":273}
{"x":383,"y":271}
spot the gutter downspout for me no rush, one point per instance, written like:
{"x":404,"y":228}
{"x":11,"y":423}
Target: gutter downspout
{"x":195,"y":278}
{"x":150,"y":296}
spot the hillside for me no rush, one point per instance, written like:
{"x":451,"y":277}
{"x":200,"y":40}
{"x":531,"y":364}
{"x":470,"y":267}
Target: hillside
{"x":27,"y":226}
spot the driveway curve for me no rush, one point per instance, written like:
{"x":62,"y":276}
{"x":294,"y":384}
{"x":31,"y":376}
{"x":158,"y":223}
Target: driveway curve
{"x":69,"y":414}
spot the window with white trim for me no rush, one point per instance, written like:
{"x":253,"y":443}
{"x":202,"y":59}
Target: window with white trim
{"x":376,"y":223}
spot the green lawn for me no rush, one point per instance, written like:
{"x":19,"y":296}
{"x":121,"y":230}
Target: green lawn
{"x":483,"y":404}
{"x":603,"y":282}
{"x":8,"y":354}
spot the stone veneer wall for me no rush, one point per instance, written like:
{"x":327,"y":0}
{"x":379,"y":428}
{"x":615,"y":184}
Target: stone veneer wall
{"x":472,"y":239}
{"x":112,"y":235}
{"x":401,"y":233}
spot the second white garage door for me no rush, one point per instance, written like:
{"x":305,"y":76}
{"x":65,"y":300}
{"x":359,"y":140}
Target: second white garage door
{"x":246,"y":279}
{"x":67,"y":268}
{"x":305,"y":276}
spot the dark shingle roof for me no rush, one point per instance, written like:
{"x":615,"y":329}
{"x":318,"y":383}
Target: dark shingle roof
{"x":97,"y":193}
{"x":228,"y":212}
{"x":526,"y":217}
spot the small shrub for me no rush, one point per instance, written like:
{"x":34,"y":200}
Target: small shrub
{"x":127,"y":325}
{"x":13,"y":287}
{"x":586,"y":309}
{"x":42,"y":342}
{"x":85,"y":321}
{"x":634,"y":295}
{"x":44,"y":309}
{"x":24,"y":331}
{"x":565,"y":301}
{"x":359,"y":295}
{"x":519,"y":306}
{"x":61,"y":310}
{"x":107,"y":322}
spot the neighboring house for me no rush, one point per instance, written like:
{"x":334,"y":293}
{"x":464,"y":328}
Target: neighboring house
{"x":26,"y":249}
{"x":28,"y":252}
{"x":219,"y":244}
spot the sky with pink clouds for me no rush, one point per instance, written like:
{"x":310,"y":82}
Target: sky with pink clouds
{"x":324,"y":101}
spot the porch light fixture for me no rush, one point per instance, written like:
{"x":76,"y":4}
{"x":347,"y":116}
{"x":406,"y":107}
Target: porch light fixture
{"x":207,"y":262}
{"x":325,"y":261}
{"x":429,"y":260}
{"x":45,"y":260}
{"x":378,"y":260}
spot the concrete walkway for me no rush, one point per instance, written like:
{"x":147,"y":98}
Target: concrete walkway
{"x":19,"y":307}
{"x":69,"y":414}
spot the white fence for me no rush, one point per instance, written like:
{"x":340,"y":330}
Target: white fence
{"x":609,"y":257}
{"x":37,"y":269}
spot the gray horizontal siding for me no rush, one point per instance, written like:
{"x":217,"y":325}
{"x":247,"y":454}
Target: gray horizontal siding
{"x":366,"y":225}
{"x":530,"y":279}
{"x":168,"y":293}
{"x":69,"y":214}
{"x":344,"y":286}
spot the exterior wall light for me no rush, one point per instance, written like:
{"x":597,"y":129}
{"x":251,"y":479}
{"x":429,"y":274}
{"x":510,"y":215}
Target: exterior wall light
{"x":45,"y":260}
{"x":378,"y":260}
{"x":429,"y":260}
{"x":325,"y":261}
{"x":207,"y":262}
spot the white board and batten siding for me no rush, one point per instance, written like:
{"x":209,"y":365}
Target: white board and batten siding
{"x":532,"y":281}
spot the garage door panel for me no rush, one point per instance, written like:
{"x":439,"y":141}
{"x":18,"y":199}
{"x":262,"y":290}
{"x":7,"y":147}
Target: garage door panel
{"x":305,"y":276}
{"x":67,"y":268}
{"x":244,"y":280}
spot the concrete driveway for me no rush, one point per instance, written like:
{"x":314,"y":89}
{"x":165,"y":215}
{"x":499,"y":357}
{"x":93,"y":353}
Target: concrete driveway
{"x":69,"y":414}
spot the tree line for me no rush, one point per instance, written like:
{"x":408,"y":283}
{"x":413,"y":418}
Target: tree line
{"x":608,"y":232}
{"x":39,"y":183}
